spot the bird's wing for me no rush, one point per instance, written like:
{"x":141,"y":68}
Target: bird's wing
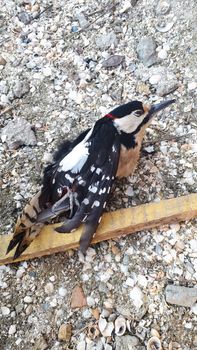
{"x":94,"y":181}
{"x":28,"y":225}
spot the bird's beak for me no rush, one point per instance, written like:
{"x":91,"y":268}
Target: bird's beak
{"x":159,"y":106}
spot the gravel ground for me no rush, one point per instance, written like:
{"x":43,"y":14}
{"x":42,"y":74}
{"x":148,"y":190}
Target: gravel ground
{"x":58,"y":74}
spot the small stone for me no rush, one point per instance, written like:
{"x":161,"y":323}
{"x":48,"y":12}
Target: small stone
{"x":65,"y":332}
{"x":126,"y":342}
{"x":146,"y":50}
{"x":192,"y":85}
{"x":52,"y":278}
{"x":96,"y":313}
{"x":155,"y":79}
{"x":12,"y":329}
{"x":113,"y":61}
{"x":137,"y":297}
{"x":165,"y":86}
{"x":104,"y":41}
{"x":40,"y":344}
{"x":49,"y":288}
{"x":162,"y":54}
{"x":78,"y":299}
{"x":28,"y":299}
{"x":5,"y":310}
{"x":62,"y":292}
{"x":90,"y":301}
{"x":24,"y":17}
{"x":2,"y":61}
{"x":20,"y":88}
{"x":29,"y":310}
{"x":82,"y":19}
{"x":18,"y":132}
{"x":182,"y":296}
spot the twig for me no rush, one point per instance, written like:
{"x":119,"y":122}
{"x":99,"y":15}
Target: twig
{"x":8,"y":109}
{"x":41,"y":12}
{"x":108,"y":9}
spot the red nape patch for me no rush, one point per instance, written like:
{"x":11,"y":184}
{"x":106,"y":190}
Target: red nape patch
{"x":110,"y":116}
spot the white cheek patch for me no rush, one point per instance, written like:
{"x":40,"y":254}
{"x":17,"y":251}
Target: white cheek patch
{"x":129,"y":123}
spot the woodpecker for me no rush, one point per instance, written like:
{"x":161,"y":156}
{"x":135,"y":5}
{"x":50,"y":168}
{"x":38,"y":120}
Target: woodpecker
{"x":78,"y":182}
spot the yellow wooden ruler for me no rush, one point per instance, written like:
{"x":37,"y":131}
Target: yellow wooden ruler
{"x":114,"y":224}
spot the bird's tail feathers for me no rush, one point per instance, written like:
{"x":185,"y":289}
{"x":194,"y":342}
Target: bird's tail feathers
{"x":26,"y":228}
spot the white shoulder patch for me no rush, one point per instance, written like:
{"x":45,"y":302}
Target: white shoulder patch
{"x":75,"y":160}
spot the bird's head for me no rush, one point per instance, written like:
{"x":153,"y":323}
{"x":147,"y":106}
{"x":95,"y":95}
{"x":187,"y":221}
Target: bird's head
{"x":130,"y":117}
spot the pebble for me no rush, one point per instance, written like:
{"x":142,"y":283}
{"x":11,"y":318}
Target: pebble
{"x":12,"y":329}
{"x":113,"y":61}
{"x":78,"y":299}
{"x":192,"y":85}
{"x":18,"y":132}
{"x":146,"y":50}
{"x":162,"y":54}
{"x":165,"y":87}
{"x":126,"y":342}
{"x":2,"y":61}
{"x":28,"y":299}
{"x":104,"y":41}
{"x":154,"y":79}
{"x":40,"y":344}
{"x":62,"y":291}
{"x":49,"y":288}
{"x":5,"y":310}
{"x":137,"y":297}
{"x":20,"y":88}
{"x":182,"y":296}
{"x":65,"y":332}
{"x":24,"y":17}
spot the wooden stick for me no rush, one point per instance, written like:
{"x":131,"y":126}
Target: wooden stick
{"x":113,"y":225}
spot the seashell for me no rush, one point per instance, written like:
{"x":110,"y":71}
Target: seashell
{"x":105,"y":327}
{"x":164,"y":27}
{"x":128,"y":323}
{"x":155,"y":333}
{"x":113,"y":61}
{"x":120,"y":326}
{"x":102,"y":324}
{"x":163,"y":7}
{"x":154,"y":344}
{"x":93,"y":331}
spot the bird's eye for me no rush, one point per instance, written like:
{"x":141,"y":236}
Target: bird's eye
{"x":138,"y":113}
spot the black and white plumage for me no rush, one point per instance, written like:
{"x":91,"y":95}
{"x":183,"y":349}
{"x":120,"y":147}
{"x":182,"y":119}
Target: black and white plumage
{"x":79,"y":181}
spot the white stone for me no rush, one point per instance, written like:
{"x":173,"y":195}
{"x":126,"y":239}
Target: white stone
{"x":90,"y":301}
{"x":129,"y":191}
{"x":52,"y":278}
{"x":47,"y":71}
{"x":130,"y":282}
{"x":193,"y":244}
{"x":5,"y":310}
{"x":86,"y":313}
{"x":192,"y":85}
{"x":12,"y":329}
{"x":28,"y":299}
{"x":49,"y":288}
{"x":137,"y":297}
{"x":194,"y":309}
{"x":155,"y":79}
{"x":142,"y":281}
{"x":162,"y":54}
{"x":62,"y":292}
